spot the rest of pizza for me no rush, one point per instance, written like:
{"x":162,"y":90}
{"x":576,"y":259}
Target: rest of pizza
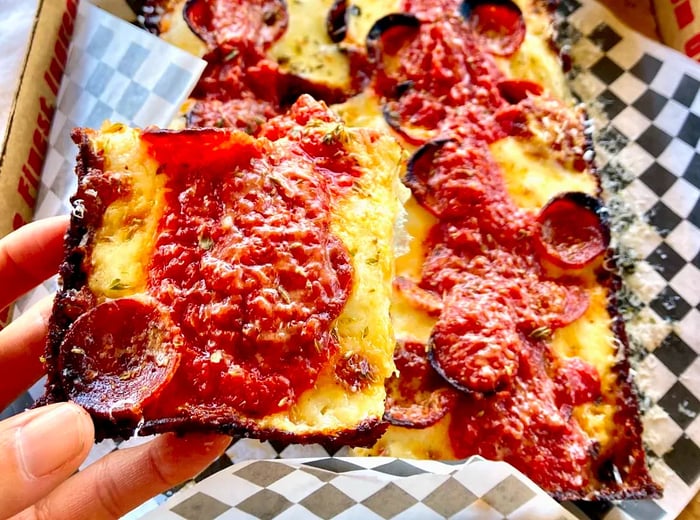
{"x":216,"y":281}
{"x":509,"y":344}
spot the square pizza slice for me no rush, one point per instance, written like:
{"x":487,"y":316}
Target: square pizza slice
{"x":216,"y":281}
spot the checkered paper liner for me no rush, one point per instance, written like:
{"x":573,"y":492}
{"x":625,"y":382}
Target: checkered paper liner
{"x":118,"y":72}
{"x":367,"y":488}
{"x":644,"y":100}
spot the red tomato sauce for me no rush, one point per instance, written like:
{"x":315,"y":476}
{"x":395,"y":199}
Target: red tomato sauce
{"x":499,"y":306}
{"x":482,"y":275}
{"x":247,"y":265}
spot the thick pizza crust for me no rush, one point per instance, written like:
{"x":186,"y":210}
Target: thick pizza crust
{"x":103,"y":244}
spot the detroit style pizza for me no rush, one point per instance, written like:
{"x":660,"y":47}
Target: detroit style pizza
{"x":217,"y":281}
{"x":508,"y":342}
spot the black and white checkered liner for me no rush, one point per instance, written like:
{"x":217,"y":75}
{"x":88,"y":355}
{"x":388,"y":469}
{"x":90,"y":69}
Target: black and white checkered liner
{"x":114,"y":72}
{"x":645,"y":101}
{"x":367,"y":488}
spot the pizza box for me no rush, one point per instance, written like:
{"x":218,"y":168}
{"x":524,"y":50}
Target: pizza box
{"x":643,"y":98}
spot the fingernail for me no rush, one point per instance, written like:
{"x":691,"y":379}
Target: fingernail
{"x":50,"y":440}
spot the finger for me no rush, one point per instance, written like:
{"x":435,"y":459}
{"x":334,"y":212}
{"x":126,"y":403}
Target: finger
{"x":124,"y":479}
{"x":29,"y":256}
{"x":21,"y":346}
{"x":39,"y":449}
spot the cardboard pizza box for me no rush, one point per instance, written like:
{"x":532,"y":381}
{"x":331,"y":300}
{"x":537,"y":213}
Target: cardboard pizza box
{"x":679,"y":25}
{"x":30,"y":109}
{"x":28,"y":104}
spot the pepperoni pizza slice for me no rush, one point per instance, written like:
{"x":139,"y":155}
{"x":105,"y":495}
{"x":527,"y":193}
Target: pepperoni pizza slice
{"x":216,"y":281}
{"x":510,"y":345}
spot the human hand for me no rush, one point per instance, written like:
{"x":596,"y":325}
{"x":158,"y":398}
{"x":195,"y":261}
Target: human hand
{"x":41,"y":449}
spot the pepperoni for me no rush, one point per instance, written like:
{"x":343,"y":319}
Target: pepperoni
{"x":355,"y":372}
{"x":118,"y":357}
{"x":577,"y":382}
{"x":246,"y":259}
{"x":572,"y":230}
{"x":388,"y":34}
{"x":498,"y":24}
{"x":475,"y":343}
{"x":420,"y":298}
{"x":418,"y":398}
{"x":337,"y":21}
{"x":548,"y":305}
{"x":173,"y":148}
{"x":233,"y":25}
{"x":413,"y":121}
{"x":525,"y":428}
{"x":246,"y":114}
{"x":449,"y":179}
{"x":515,"y":90}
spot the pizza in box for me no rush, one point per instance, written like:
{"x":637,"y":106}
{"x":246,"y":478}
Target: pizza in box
{"x":501,"y":316}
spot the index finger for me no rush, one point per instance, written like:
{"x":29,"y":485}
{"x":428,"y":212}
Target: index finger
{"x":29,"y":256}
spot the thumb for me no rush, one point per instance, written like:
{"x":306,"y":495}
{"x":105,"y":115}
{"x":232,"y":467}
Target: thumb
{"x":39,"y":449}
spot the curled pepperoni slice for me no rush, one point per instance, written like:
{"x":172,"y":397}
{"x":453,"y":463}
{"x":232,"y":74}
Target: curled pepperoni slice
{"x":389,"y":34}
{"x":401,"y":123}
{"x":118,"y":357}
{"x":420,"y":169}
{"x":515,"y":90}
{"x":418,"y":398}
{"x":498,"y":24}
{"x":572,"y":230}
{"x":577,"y":382}
{"x":475,"y":343}
{"x":420,"y":298}
{"x":448,"y":178}
{"x":229,"y":25}
{"x":193,"y":147}
{"x":337,"y":21}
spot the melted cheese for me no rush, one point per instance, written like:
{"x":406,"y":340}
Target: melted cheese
{"x":305,"y":48}
{"x":591,"y":339}
{"x":364,"y":220}
{"x":536,"y":60}
{"x":363,"y":15}
{"x":532,"y":177}
{"x":364,"y":327}
{"x":122,"y":245}
{"x":411,"y":443}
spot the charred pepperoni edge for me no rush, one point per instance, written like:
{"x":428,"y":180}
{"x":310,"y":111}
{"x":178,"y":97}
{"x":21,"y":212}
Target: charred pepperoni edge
{"x":466,"y":7}
{"x":393,"y":121}
{"x":428,"y":419}
{"x":197,"y":30}
{"x":384,"y":24}
{"x":74,"y":297}
{"x":364,"y":435}
{"x":515,"y":90}
{"x":337,"y":21}
{"x":642,"y":485}
{"x":187,"y":15}
{"x":436,"y":366}
{"x":411,"y":178}
{"x":585,"y":201}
